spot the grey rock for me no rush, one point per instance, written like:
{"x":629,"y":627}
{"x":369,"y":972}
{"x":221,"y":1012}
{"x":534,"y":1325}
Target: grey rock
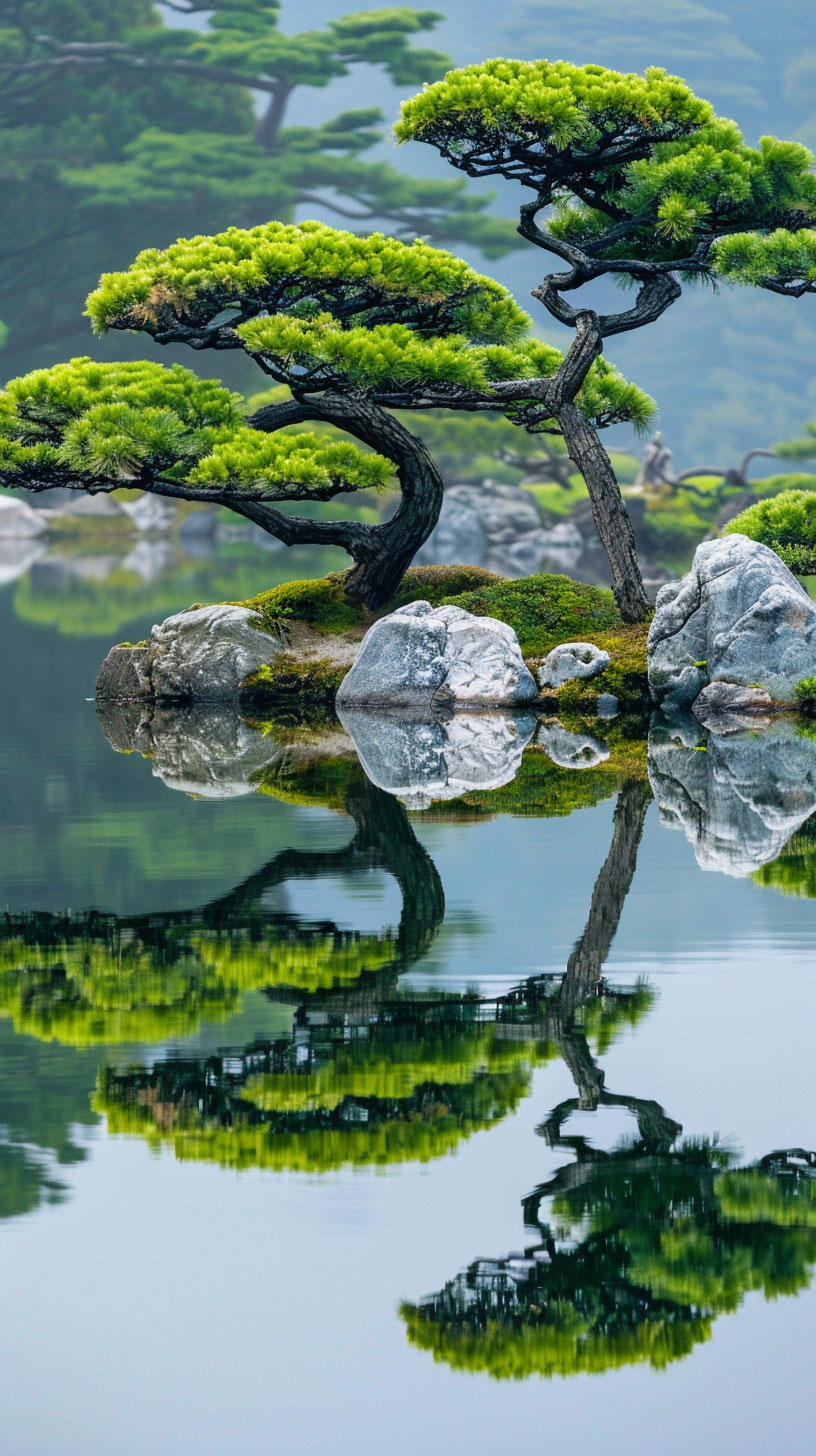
{"x":150,"y":514}
{"x":19,"y":520}
{"x":101,"y":506}
{"x":125,"y":675}
{"x":423,"y":760}
{"x":421,"y":655}
{"x":570,"y":750}
{"x":738,"y":616}
{"x":606,"y":705}
{"x":572,"y":660}
{"x":201,"y":655}
{"x":499,"y":526}
{"x":206,"y":751}
{"x":737,"y":797}
{"x":727,"y":707}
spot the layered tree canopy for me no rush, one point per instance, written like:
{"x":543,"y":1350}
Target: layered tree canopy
{"x":323,"y":309}
{"x":637,"y":169}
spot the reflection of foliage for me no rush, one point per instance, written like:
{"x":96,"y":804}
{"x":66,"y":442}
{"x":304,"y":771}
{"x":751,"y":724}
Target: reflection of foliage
{"x":95,"y":978}
{"x":794,"y":870}
{"x":84,"y":606}
{"x":371,"y":1081}
{"x":24,"y":1182}
{"x":641,"y":1253}
{"x":387,"y":1111}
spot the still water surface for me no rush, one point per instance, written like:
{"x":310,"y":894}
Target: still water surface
{"x":326,"y":1126}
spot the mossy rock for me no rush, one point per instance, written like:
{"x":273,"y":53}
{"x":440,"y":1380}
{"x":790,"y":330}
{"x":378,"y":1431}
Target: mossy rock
{"x":312,"y":682}
{"x":626,"y":676}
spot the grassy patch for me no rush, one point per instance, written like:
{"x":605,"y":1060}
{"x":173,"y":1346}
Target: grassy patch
{"x":626,"y":676}
{"x":543,"y":610}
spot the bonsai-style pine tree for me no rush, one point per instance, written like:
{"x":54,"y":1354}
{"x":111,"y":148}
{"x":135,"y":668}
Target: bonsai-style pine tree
{"x":354,"y":327}
{"x":635,"y":179}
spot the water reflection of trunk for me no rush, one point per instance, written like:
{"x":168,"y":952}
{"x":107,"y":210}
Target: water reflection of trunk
{"x":384,"y":840}
{"x":608,"y":898}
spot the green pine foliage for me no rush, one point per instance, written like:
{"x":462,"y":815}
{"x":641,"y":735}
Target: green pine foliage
{"x":685,"y":181}
{"x":785,"y":522}
{"x":103,"y":425}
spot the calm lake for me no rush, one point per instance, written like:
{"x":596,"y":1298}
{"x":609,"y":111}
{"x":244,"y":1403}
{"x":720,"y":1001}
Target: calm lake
{"x":332,"y":1125}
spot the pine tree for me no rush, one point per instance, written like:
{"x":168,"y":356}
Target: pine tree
{"x":355,"y":327}
{"x":633,"y":178}
{"x":118,"y":131}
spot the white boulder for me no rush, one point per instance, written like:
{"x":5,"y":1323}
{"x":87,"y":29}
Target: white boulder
{"x":422,"y":655}
{"x":738,"y":616}
{"x":571,"y":660}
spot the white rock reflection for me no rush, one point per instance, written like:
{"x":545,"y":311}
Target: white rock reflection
{"x":738,"y":797}
{"x":422,"y":760}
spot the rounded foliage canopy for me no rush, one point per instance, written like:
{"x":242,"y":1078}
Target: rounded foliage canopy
{"x":319,"y":308}
{"x":133,"y":423}
{"x":787,"y":523}
{"x":636,"y":167}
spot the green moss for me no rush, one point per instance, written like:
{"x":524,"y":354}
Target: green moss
{"x":314,"y":680}
{"x":805,"y":694}
{"x":543,"y":610}
{"x":626,"y":676}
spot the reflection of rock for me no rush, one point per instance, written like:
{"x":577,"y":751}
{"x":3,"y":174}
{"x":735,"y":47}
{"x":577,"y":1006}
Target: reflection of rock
{"x":202,"y":655}
{"x":422,"y":759}
{"x":500,"y":527}
{"x":737,"y":797}
{"x":18,"y":519}
{"x":738,"y":616}
{"x":571,"y":660}
{"x":421,"y":654}
{"x":726,"y":708}
{"x":149,"y":558}
{"x":207,"y":751}
{"x":17,"y":555}
{"x":570,"y":750}
{"x":150,"y":514}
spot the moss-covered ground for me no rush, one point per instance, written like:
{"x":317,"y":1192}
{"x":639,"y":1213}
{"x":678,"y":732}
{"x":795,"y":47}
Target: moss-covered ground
{"x":543,"y":610}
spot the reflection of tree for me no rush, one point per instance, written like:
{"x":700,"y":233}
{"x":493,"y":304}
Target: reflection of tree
{"x":95,"y":977}
{"x":386,"y":1075}
{"x":637,"y":1250}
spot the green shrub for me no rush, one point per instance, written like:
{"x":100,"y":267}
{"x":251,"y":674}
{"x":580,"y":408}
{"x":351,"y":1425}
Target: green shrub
{"x":543,"y":610}
{"x":787,"y":523}
{"x":805,"y":693}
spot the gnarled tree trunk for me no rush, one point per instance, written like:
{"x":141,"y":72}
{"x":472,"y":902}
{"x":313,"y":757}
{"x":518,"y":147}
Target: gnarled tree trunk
{"x":381,"y":554}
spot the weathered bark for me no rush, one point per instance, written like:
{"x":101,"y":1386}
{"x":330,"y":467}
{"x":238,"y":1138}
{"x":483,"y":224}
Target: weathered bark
{"x":608,"y":510}
{"x":381,"y":554}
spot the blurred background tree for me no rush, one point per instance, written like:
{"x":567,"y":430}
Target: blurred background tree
{"x":119,"y":132}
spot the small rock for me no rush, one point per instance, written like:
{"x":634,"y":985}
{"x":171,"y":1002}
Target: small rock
{"x":572,"y":660}
{"x":124,"y":675}
{"x":606,"y":705}
{"x":421,"y":655}
{"x":739,"y":616}
{"x":727,"y":707}
{"x":18,"y":519}
{"x":570,"y":750}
